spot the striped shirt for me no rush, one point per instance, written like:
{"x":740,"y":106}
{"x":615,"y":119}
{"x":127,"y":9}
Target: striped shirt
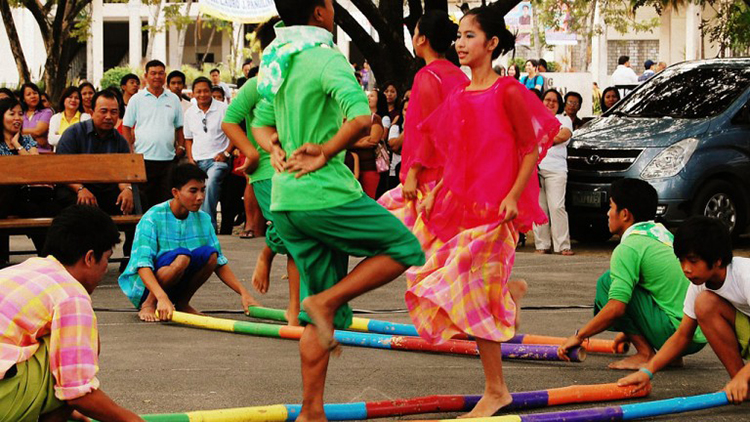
{"x":39,"y":298}
{"x":158,"y":232}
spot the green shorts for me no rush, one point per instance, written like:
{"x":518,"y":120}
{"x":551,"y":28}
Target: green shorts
{"x":742,"y":329}
{"x":321,"y":242}
{"x":31,"y":392}
{"x":262,"y":191}
{"x":642,"y":316}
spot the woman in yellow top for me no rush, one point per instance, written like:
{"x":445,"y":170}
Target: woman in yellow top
{"x":71,"y":112}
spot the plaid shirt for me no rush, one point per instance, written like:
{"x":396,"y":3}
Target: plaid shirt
{"x":159,"y":231}
{"x":39,"y":298}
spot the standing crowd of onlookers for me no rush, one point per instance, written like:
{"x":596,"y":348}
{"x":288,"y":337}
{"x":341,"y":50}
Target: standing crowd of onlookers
{"x":153,"y":116}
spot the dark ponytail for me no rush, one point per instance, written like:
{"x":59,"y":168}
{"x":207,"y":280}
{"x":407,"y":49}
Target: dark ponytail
{"x":492,"y":21}
{"x":440,"y":31}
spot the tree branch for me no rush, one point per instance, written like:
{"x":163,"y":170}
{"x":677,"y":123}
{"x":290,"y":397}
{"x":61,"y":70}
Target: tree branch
{"x":361,"y":38}
{"x":367,"y":7}
{"x":37,"y":10}
{"x":415,"y":12}
{"x":15,"y":43}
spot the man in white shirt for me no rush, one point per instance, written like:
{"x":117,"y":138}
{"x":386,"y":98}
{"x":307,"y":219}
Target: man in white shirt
{"x":207,"y":145}
{"x":216,"y":80}
{"x":624,"y":75}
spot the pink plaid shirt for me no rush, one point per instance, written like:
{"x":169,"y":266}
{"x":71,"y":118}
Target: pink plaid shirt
{"x":40,"y":298}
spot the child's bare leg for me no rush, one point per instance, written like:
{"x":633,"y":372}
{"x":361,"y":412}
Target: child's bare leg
{"x":182,"y":300}
{"x":716,"y":318}
{"x":167,"y":276}
{"x":370,"y":274}
{"x":643,"y":353}
{"x":314,"y":368}
{"x":496,"y":394}
{"x":518,"y":289}
{"x":292,"y":310}
{"x":262,"y":272}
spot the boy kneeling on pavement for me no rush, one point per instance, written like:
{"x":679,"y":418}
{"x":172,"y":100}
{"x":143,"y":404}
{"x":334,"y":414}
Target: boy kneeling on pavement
{"x":175,"y":251}
{"x":717,"y":301}
{"x":641,"y":296}
{"x":49,"y":341}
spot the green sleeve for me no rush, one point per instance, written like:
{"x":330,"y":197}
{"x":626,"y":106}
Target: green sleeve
{"x":338,"y":82}
{"x":242,"y":105}
{"x":625,"y":269}
{"x":265,"y":114}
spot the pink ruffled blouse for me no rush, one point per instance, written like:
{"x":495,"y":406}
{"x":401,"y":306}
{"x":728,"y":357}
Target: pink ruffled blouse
{"x":431,"y":86}
{"x":479,"y":139}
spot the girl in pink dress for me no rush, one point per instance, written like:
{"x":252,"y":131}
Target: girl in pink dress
{"x":432,"y":37}
{"x":487,"y":138}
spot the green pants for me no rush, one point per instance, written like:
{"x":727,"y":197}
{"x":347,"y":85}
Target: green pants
{"x":31,"y":392}
{"x":262,"y":191}
{"x":321,"y":242}
{"x":642,"y":316}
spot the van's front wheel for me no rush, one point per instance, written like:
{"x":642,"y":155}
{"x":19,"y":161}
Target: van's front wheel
{"x":719,"y":199}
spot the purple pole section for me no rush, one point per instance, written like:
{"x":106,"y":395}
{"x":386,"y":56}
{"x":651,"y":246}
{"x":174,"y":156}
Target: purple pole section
{"x":613,"y":413}
{"x":540,"y":352}
{"x":528,"y":400}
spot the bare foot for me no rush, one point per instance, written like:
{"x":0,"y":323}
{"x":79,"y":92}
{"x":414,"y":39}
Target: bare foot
{"x":322,"y":318}
{"x":292,"y":316}
{"x":311,"y":418}
{"x":631,"y":363}
{"x":518,"y":289}
{"x":262,"y":273}
{"x":187,"y":309}
{"x":677,"y":363}
{"x":148,"y":314}
{"x":489,"y":404}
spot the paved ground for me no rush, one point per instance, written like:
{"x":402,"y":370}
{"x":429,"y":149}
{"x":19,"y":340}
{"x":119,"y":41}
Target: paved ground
{"x":157,"y":368}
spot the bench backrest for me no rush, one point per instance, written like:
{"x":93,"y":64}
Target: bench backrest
{"x":77,"y":168}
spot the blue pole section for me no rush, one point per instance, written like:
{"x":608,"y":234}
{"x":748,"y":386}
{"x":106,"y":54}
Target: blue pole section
{"x":676,"y":405}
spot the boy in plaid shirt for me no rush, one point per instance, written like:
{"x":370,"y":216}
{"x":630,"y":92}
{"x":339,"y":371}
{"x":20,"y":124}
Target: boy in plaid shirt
{"x":49,"y":342}
{"x":175,"y":251}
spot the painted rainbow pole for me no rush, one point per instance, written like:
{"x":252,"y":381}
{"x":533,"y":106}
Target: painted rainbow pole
{"x":378,"y":341}
{"x":411,"y":406}
{"x":393,"y":328}
{"x":624,"y":412}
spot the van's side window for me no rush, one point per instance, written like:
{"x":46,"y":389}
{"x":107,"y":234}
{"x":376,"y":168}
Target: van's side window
{"x":743,"y":116}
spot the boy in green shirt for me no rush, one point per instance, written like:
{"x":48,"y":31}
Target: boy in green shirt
{"x":641,"y":296}
{"x":319,"y":208}
{"x":242,"y":108}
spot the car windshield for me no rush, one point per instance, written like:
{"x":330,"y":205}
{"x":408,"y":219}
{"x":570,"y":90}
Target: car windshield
{"x":687,"y":94}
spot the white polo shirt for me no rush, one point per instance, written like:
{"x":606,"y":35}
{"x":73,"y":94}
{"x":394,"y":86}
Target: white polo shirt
{"x":211,"y":141}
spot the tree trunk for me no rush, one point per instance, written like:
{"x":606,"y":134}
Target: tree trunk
{"x":208,"y":46}
{"x":181,"y":34}
{"x":15,"y":44}
{"x":585,"y":59}
{"x":156,"y":27}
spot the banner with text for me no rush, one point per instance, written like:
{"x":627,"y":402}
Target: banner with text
{"x":242,"y":11}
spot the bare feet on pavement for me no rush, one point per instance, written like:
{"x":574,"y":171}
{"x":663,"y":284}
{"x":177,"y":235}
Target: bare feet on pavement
{"x":148,"y":314}
{"x":631,"y":363}
{"x":322,"y":318}
{"x":489,"y":404}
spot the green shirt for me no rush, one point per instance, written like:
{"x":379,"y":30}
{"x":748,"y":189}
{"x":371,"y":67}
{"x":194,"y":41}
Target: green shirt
{"x":651,"y":265}
{"x":319,"y":91}
{"x":241,"y":108}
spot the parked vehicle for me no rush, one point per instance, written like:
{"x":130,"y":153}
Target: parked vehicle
{"x":686,"y":131}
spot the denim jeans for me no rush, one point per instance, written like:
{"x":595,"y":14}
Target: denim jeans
{"x":216,"y":172}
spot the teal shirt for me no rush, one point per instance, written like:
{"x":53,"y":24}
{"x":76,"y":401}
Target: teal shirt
{"x":155,"y":120}
{"x":640,"y":261}
{"x":159,"y":231}
{"x":319,"y":91}
{"x":242,"y":108}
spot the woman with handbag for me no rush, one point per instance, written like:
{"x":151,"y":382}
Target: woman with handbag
{"x":369,"y":149}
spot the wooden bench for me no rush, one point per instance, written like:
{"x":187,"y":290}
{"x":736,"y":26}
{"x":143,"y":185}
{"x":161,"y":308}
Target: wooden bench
{"x":58,"y":169}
